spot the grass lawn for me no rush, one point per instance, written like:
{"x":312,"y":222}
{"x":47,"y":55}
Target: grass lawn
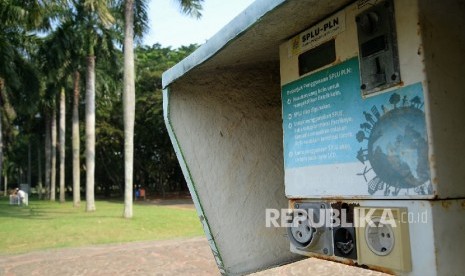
{"x":45,"y":224}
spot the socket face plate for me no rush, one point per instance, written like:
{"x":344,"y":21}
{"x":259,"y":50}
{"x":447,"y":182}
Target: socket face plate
{"x":380,"y":237}
{"x":309,"y":231}
{"x":383,"y":237}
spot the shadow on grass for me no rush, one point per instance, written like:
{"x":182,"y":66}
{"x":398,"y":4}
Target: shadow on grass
{"x":20,"y":212}
{"x":46,"y":210}
{"x":36,"y":210}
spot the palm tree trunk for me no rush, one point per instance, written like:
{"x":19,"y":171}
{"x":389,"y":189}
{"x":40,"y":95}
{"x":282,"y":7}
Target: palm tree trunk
{"x":53,"y":156}
{"x":39,"y":181}
{"x":29,"y":166}
{"x":76,"y":144}
{"x":128,"y":106}
{"x":1,"y":152}
{"x":48,"y":153}
{"x":90,"y":134}
{"x":62,"y":144}
{"x":2,"y":85}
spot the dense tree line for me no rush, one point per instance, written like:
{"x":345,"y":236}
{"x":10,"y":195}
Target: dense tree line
{"x":70,"y":80}
{"x":155,"y":164}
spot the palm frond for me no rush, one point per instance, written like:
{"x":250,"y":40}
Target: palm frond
{"x":191,"y":7}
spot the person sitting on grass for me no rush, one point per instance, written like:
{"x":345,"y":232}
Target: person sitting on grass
{"x":22,"y":196}
{"x":13,"y":197}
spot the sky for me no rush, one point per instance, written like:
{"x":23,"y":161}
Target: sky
{"x":171,"y":28}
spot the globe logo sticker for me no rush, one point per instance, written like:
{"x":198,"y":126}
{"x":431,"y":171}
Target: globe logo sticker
{"x":396,"y":147}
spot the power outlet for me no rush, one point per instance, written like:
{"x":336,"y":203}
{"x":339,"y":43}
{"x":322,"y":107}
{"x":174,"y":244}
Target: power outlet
{"x":309,"y":231}
{"x":345,"y":243}
{"x":380,"y":237}
{"x":383,"y":237}
{"x":344,"y":238}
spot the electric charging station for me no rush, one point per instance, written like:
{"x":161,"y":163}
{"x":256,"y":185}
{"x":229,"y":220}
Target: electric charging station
{"x":359,"y":105}
{"x":348,"y":110}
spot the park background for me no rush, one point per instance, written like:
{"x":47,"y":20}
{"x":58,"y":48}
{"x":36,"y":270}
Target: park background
{"x":44,"y":51}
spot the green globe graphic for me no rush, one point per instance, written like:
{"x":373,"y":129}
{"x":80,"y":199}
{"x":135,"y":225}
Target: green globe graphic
{"x":398,"y":148}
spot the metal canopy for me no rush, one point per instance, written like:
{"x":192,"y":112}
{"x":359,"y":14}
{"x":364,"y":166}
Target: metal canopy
{"x":254,"y":35}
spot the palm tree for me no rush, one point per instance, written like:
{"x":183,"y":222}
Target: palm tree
{"x":15,"y":19}
{"x":53,"y":158}
{"x":62,"y":134}
{"x":137,"y":9}
{"x":39,"y":164}
{"x":76,"y":142}
{"x":95,"y":17}
{"x":48,"y":153}
{"x":128,"y":105}
{"x":64,"y":53}
{"x":55,"y":60}
{"x":17,"y":46}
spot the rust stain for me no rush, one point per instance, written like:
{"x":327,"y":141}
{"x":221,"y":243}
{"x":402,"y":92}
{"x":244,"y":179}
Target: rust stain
{"x":432,"y":159}
{"x":463,"y":204}
{"x":354,"y":263}
{"x":291,"y":203}
{"x":337,"y":198}
{"x":338,"y":260}
{"x":345,"y":199}
{"x":348,"y":207}
{"x":446,"y":204}
{"x":382,"y":269}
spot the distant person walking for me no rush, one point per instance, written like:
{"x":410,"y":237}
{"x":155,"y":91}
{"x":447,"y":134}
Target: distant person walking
{"x":142,"y":193}
{"x":136,"y":193}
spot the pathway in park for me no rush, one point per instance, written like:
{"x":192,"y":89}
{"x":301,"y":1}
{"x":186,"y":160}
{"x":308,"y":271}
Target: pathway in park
{"x":172,"y":257}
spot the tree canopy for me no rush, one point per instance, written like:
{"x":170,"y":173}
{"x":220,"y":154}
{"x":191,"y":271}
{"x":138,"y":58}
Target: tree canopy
{"x":34,"y":69}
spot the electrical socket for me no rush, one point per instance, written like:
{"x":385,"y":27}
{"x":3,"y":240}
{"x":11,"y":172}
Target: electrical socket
{"x":383,"y":237}
{"x":380,"y":237}
{"x":311,"y":234}
{"x":344,"y":238}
